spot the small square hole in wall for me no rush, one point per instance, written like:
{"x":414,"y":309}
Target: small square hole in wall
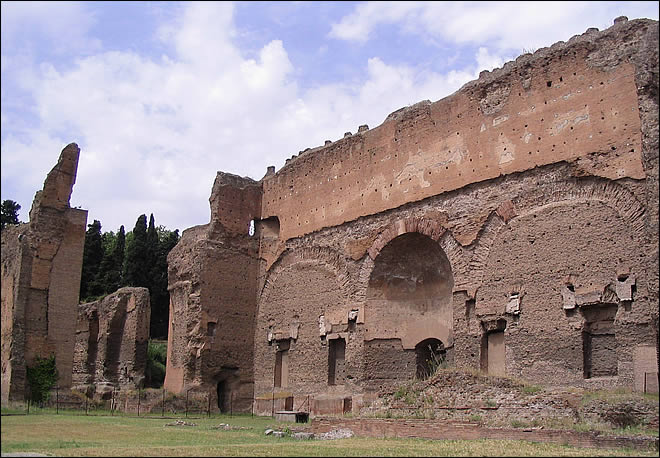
{"x":210,"y":328}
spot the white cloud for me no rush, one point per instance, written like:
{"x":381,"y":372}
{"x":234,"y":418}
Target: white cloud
{"x":154,"y":131}
{"x":358,"y":25}
{"x":504,"y":25}
{"x":66,"y":25}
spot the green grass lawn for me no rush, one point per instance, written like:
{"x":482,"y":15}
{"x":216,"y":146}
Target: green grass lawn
{"x":80,"y":435}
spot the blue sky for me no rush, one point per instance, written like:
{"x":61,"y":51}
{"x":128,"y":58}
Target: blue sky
{"x":161,"y":95}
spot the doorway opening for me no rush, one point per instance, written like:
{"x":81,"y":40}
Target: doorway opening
{"x":430,"y":355}
{"x":336,"y":362}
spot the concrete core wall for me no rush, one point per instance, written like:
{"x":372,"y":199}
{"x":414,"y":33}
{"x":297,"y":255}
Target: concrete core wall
{"x":512,"y":225}
{"x":212,"y":282}
{"x":112,"y":335}
{"x":41,"y":269}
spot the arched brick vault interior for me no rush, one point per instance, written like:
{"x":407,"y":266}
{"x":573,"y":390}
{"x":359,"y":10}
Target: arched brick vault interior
{"x":578,"y":249}
{"x":409,"y":296}
{"x":615,"y":196}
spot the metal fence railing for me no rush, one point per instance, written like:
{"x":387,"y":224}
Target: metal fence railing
{"x":142,"y":402}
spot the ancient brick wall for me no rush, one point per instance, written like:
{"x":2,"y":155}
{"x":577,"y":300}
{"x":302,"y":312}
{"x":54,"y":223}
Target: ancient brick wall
{"x":529,"y":193}
{"x":212,"y":282}
{"x":41,"y":268}
{"x":511,"y":226}
{"x":112,"y":335}
{"x":558,"y":104}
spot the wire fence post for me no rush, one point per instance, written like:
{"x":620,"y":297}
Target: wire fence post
{"x":231,"y":404}
{"x":28,"y":406}
{"x":112,"y":402}
{"x":86,"y":406}
{"x":57,"y":400}
{"x":138,"y":412}
{"x":162,"y":412}
{"x":272,"y":409}
{"x":208,"y":409}
{"x":187,"y":391}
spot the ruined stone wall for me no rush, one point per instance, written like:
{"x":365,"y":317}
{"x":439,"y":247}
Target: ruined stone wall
{"x":563,"y":103}
{"x":510,"y":227}
{"x":112,"y":335}
{"x":532,"y":188}
{"x":41,"y":269}
{"x":212,"y":282}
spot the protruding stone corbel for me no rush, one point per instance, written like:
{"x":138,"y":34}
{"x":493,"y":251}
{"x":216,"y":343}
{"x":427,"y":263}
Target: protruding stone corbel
{"x":513,"y":306}
{"x":293,"y":329}
{"x":624,"y":287}
{"x":323,"y":331}
{"x":568,"y":296}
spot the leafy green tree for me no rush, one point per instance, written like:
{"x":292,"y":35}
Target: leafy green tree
{"x":156,"y":363}
{"x":92,"y":258}
{"x":9,"y":213}
{"x":136,"y":268}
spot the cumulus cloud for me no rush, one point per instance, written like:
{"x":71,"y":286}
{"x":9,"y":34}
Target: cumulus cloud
{"x":153,"y":130}
{"x":505,"y":25}
{"x":65,"y":24}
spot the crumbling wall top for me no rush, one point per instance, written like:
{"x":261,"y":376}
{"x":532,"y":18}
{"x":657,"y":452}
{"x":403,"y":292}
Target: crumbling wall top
{"x":58,"y":185}
{"x":566,"y":102}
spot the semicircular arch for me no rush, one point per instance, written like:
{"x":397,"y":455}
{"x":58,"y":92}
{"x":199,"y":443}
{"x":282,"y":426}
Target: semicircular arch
{"x":608,"y":192}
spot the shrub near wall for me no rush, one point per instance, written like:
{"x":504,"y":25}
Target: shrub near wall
{"x":42,"y":377}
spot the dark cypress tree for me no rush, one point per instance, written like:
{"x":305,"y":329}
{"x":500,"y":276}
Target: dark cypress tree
{"x":105,"y":268}
{"x":110,"y":273}
{"x":160,"y":297}
{"x":136,"y":266}
{"x":9,"y":213}
{"x":119,"y":253}
{"x":92,"y":258}
{"x":152,"y":239}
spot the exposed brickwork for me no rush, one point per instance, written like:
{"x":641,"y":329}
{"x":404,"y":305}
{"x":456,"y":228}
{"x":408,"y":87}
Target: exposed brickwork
{"x":213,"y":289}
{"x":112,"y":335}
{"x":517,"y":216}
{"x":41,"y":268}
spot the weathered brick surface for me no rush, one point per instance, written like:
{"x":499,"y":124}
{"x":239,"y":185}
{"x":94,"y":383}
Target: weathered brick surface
{"x":41,"y":268}
{"x":524,"y":204}
{"x":212,"y":284}
{"x":112,"y":336}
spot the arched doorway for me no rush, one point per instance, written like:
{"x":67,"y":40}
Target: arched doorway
{"x":228,"y":381}
{"x":408,"y":308}
{"x":430,"y":354}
